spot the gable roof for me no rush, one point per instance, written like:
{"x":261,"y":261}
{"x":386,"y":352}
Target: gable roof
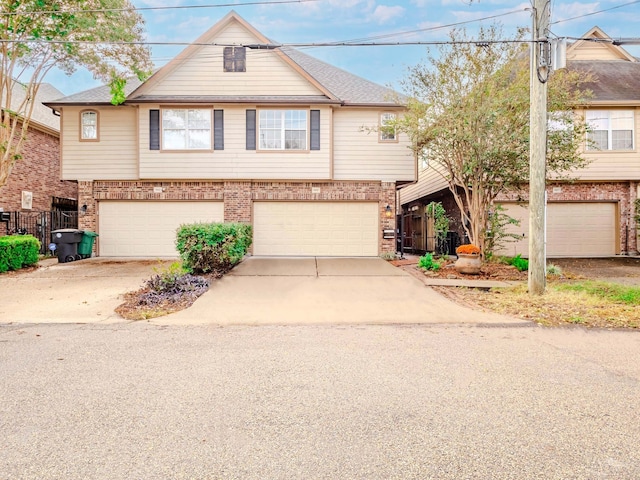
{"x":616,"y":78}
{"x":41,"y":115}
{"x":596,"y":33}
{"x":336,"y":86}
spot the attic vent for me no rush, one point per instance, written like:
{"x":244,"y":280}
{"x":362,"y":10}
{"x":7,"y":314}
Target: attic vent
{"x":235,"y":59}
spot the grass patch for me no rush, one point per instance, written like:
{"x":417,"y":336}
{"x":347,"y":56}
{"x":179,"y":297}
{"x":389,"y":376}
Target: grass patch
{"x":587,"y":303}
{"x":609,"y":291}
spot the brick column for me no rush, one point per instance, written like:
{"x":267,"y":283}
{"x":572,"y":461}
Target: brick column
{"x":237,"y":202}
{"x":89,"y":219}
{"x":634,"y":233}
{"x":387,"y":197}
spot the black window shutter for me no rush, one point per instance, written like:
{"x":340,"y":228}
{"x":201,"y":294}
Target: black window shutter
{"x":315,"y":130}
{"x":218,"y":129}
{"x":154,"y":129}
{"x":251,"y":129}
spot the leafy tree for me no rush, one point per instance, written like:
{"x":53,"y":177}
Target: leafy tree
{"x":469,"y":113}
{"x":36,"y":35}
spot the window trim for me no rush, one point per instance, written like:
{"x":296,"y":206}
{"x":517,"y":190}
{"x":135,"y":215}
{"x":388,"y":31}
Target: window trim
{"x":284,"y":150}
{"x":80,"y":133}
{"x":232,"y":57}
{"x":610,"y":131}
{"x":381,"y":124}
{"x":186,"y":107}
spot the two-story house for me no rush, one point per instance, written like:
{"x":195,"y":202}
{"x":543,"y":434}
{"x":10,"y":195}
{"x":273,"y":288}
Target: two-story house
{"x":236,"y":129}
{"x":594,"y":215}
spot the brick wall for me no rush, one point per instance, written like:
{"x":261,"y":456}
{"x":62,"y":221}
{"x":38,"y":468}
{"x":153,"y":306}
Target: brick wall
{"x":623,"y":193}
{"x":238,"y":196}
{"x":37,"y":172}
{"x":620,"y":192}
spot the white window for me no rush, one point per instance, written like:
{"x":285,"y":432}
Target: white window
{"x":186,"y":129}
{"x":387,"y":127}
{"x":283,"y":129}
{"x":610,"y":129}
{"x":89,"y":125}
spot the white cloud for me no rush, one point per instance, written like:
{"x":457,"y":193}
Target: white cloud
{"x":383,"y":13}
{"x":569,"y":10}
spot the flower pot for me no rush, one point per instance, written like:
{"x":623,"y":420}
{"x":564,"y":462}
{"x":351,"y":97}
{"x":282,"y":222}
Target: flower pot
{"x":469,"y":264}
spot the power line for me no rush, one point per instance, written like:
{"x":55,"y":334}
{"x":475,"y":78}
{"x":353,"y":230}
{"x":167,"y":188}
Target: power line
{"x":595,"y":13}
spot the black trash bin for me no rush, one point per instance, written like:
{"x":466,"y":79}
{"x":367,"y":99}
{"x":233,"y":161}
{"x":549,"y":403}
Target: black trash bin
{"x":67,"y":240}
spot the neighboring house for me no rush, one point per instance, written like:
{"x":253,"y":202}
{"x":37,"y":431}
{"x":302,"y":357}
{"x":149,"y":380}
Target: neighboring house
{"x":592,"y":216}
{"x":34,"y":184}
{"x":236,"y":133}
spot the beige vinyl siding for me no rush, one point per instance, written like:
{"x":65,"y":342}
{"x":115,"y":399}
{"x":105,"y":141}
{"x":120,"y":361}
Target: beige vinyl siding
{"x":358,"y":155}
{"x":235,"y":162}
{"x":429,"y":181}
{"x":202,"y":74}
{"x":613,"y":164}
{"x":593,"y":51}
{"x":113,"y":157}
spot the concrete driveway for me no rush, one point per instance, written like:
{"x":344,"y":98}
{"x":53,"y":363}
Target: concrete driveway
{"x":276,"y":290}
{"x":258,"y":291}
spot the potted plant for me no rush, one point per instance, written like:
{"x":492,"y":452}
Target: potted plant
{"x":469,"y":260}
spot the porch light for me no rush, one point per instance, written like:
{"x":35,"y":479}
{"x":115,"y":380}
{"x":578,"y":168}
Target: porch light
{"x":387,"y":211}
{"x":83,"y":209}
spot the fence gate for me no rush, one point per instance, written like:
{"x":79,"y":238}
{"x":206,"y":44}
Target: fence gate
{"x":40,"y":224}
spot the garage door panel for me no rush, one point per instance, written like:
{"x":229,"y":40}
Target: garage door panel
{"x":316,"y":228}
{"x":148,"y":229}
{"x":573,"y":229}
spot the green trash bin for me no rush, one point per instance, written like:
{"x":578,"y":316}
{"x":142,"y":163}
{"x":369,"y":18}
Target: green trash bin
{"x":86,"y":244}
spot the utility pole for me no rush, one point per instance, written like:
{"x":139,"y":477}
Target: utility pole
{"x":540,"y":71}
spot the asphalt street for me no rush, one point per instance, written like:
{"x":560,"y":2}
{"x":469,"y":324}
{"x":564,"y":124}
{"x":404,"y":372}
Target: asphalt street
{"x":142,"y":401}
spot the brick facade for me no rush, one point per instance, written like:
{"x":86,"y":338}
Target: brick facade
{"x":37,"y":172}
{"x":622,"y":193}
{"x":238,"y":197}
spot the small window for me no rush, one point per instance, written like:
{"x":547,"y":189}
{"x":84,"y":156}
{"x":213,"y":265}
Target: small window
{"x":610,"y":129}
{"x":387,"y":127}
{"x":283,"y":130}
{"x":186,"y":129}
{"x":89,"y":125}
{"x":235,"y":59}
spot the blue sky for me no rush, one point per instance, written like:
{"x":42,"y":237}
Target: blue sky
{"x":318,"y":21}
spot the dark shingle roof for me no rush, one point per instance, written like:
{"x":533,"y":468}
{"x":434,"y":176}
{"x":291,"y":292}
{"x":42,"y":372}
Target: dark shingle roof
{"x":40,"y":114}
{"x":97,"y":95}
{"x":347,"y":87}
{"x":615,"y":80}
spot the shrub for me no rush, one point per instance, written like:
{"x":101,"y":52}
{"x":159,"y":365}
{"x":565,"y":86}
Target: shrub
{"x":213,"y":247}
{"x":172,"y":284}
{"x":17,"y":251}
{"x":428,"y":263}
{"x":554,"y":270}
{"x":522,"y":264}
{"x":468,"y":249}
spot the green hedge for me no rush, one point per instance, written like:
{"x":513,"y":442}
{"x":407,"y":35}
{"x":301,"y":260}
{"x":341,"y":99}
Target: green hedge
{"x":213,"y":247}
{"x":17,"y":251}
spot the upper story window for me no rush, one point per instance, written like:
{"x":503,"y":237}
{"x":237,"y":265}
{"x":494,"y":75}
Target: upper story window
{"x":387,"y":127}
{"x":235,"y":59}
{"x":610,"y":129}
{"x":89,"y":125}
{"x":186,"y":129}
{"x":283,"y":130}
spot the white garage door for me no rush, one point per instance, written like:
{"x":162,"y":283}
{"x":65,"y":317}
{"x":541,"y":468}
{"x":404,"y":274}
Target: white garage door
{"x":573,"y":229}
{"x":316,"y":228}
{"x":148,"y":229}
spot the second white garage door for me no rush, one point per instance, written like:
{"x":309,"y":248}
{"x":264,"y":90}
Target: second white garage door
{"x":316,"y":228}
{"x":573,"y":229}
{"x":148,"y":229}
